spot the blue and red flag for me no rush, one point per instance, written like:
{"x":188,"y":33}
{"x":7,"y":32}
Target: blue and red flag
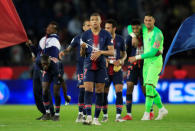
{"x":11,"y":29}
{"x":184,"y":39}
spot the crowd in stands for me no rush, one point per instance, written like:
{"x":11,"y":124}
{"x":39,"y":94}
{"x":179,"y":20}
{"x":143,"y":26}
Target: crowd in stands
{"x":36,"y":14}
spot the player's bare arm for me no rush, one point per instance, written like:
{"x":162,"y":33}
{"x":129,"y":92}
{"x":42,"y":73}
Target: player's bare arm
{"x":121,"y":61}
{"x":64,"y":52}
{"x":83,"y":48}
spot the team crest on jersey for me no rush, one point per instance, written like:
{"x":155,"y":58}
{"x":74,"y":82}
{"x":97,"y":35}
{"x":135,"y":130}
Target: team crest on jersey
{"x":156,"y":45}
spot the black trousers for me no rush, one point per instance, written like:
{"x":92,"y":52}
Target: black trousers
{"x":37,"y":90}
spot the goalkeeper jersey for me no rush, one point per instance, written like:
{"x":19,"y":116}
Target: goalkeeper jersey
{"x":153,"y":39}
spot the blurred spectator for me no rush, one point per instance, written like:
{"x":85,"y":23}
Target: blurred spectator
{"x":16,"y":55}
{"x":180,"y":73}
{"x":69,"y":14}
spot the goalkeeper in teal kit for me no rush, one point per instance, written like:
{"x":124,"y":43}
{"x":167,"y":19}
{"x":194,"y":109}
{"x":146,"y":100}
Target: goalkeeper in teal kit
{"x":153,"y":48}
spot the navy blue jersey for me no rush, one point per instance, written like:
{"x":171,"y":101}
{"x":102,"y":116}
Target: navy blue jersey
{"x":131,"y":50}
{"x":75,"y":43}
{"x":98,"y":42}
{"x":119,"y":45}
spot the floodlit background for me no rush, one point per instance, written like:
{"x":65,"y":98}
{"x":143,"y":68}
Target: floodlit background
{"x":177,"y":85}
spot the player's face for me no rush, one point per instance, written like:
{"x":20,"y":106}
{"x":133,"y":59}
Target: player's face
{"x":149,"y":22}
{"x":45,"y":64}
{"x":95,"y":21}
{"x":108,"y":27}
{"x":86,"y":25}
{"x":50,"y":29}
{"x":136,"y":29}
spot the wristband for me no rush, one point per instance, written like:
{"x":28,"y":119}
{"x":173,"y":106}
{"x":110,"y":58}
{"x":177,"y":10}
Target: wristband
{"x":132,"y":35}
{"x":138,"y":57}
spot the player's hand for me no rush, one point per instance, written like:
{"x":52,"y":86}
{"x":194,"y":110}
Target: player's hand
{"x":132,"y":59}
{"x":83,"y":45}
{"x":135,"y":41}
{"x":61,"y":54}
{"x":95,"y":55}
{"x":29,"y":42}
{"x":67,"y":98}
{"x":107,"y":61}
{"x":117,"y":63}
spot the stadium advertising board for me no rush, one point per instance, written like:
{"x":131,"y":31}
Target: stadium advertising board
{"x":171,"y":91}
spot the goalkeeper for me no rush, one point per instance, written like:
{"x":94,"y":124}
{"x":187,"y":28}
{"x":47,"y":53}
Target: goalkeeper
{"x":153,"y":48}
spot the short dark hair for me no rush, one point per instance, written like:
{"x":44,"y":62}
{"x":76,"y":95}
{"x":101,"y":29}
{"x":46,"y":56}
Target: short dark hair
{"x":111,"y":21}
{"x":95,"y":14}
{"x":85,"y":21}
{"x":44,"y":57}
{"x":149,"y":14}
{"x":55,"y":25}
{"x":135,"y":22}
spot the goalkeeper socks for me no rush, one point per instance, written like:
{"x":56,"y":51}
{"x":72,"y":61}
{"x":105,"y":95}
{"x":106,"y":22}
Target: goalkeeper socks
{"x":105,"y":103}
{"x":81,"y":99}
{"x":119,"y":102}
{"x":88,"y":101}
{"x":149,"y":97}
{"x":128,"y":102}
{"x":98,"y":103}
{"x":157,"y":99}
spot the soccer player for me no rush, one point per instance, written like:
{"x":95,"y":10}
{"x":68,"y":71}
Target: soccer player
{"x":134,"y":47}
{"x":75,"y":43}
{"x":115,"y":75}
{"x":49,"y":45}
{"x":96,"y":45}
{"x":153,"y":48}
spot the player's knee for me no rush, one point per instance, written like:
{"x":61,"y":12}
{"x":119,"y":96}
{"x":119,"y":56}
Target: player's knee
{"x":88,"y":86}
{"x":130,"y":87}
{"x":118,"y":88}
{"x":106,"y":90}
{"x":99,"y":90}
{"x":149,"y":90}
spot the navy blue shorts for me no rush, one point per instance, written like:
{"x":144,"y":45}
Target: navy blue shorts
{"x":135,"y":73}
{"x":116,"y":78}
{"x":96,"y":76}
{"x":79,"y":73}
{"x":80,"y":79}
{"x":47,"y":77}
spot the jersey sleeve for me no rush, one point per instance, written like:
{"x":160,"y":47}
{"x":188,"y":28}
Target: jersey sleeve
{"x":155,"y":48}
{"x":109,"y":41}
{"x":123,"y":47}
{"x":74,"y":42}
{"x":128,"y":42}
{"x":158,"y":39}
{"x":83,"y":37}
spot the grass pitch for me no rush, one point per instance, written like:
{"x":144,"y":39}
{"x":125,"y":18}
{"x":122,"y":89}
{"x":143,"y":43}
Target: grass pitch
{"x":22,"y":118}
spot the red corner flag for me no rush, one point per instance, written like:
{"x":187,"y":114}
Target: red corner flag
{"x":11,"y":29}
